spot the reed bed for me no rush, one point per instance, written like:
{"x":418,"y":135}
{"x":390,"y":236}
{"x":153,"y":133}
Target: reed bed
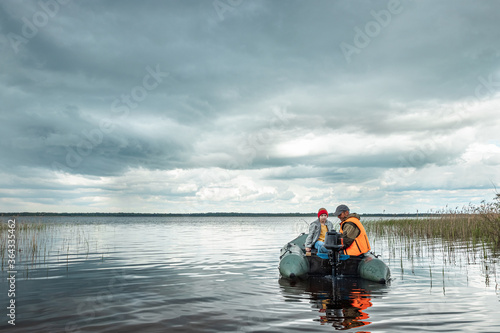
{"x":477,"y":224}
{"x":39,"y":243}
{"x":28,"y":241}
{"x":462,"y":238}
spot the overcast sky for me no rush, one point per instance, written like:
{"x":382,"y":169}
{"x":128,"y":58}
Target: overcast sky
{"x":248,"y":106}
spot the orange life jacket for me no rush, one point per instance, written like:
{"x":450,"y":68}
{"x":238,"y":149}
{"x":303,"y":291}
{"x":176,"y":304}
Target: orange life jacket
{"x":362,"y":304}
{"x":361,"y":244}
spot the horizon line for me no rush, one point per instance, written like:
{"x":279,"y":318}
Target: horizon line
{"x":197,"y":214}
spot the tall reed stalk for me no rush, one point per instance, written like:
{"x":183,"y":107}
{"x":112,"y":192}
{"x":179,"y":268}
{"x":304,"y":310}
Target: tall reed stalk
{"x":478,"y":224}
{"x":36,"y":242}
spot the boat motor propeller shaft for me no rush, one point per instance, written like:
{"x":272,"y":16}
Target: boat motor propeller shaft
{"x":333,"y":243}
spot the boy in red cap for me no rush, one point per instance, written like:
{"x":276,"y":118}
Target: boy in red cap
{"x":317,"y":232}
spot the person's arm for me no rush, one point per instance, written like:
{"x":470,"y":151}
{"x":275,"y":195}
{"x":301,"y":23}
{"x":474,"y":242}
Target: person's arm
{"x":309,"y":239}
{"x":349,"y":233}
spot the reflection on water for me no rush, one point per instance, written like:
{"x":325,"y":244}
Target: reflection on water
{"x":221,"y":274}
{"x":341,"y":303}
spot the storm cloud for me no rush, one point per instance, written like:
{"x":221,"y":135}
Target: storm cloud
{"x":248,"y":106}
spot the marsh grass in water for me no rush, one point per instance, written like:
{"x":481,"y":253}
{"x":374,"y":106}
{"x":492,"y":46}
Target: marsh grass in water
{"x":479,"y":225}
{"x":470,"y":236}
{"x":37,"y":243}
{"x":27,"y":240}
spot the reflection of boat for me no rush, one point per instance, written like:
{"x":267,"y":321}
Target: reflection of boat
{"x":294,"y":263}
{"x":342,"y":303}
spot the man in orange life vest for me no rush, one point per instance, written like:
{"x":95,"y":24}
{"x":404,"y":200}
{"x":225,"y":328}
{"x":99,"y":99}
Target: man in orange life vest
{"x":355,"y":240}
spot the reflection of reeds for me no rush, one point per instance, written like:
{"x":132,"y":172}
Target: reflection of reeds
{"x":469,"y":236}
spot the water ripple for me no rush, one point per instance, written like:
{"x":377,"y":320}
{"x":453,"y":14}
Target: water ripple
{"x":143,"y":276}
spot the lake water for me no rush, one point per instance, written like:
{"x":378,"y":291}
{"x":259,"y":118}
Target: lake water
{"x":219,"y":274}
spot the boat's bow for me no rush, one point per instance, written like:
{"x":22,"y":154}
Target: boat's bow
{"x":374,"y":269}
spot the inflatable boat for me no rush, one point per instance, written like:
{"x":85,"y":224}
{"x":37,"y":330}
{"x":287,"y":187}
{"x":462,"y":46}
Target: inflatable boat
{"x":296,"y":264}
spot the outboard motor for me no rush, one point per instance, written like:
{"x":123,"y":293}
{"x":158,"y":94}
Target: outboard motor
{"x":333,"y":243}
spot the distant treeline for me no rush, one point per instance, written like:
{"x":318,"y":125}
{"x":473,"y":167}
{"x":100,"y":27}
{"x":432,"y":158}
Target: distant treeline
{"x":202,"y":214}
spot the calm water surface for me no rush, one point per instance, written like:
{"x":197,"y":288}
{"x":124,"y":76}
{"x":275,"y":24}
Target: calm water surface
{"x":208,"y":274}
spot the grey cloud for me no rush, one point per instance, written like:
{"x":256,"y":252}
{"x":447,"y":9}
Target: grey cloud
{"x":227,"y":77}
{"x":77,"y":144}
